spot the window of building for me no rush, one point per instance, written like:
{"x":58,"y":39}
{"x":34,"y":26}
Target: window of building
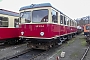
{"x":3,"y":21}
{"x":16,"y":22}
{"x":54,"y":16}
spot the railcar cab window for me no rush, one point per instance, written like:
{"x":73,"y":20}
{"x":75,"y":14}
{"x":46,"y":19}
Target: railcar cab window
{"x":26,"y":15}
{"x":54,"y":16}
{"x":16,"y":22}
{"x":40,"y":16}
{"x":3,"y":21}
{"x":88,"y":27}
{"x":61,"y":19}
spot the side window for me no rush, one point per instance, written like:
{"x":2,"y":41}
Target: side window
{"x":70,"y":22}
{"x":67,"y":21}
{"x":16,"y":22}
{"x":4,"y":22}
{"x":1,"y":21}
{"x":76,"y":24}
{"x":73,"y":23}
{"x":61,"y":19}
{"x":64,"y":20}
{"x":54,"y":16}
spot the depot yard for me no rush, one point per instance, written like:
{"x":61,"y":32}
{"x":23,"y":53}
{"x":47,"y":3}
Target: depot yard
{"x":11,"y":51}
{"x":74,"y":50}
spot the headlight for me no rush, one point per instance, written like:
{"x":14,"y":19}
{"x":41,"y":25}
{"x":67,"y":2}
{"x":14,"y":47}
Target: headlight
{"x":42,"y":33}
{"x":22,"y":33}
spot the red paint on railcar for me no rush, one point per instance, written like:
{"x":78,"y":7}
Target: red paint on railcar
{"x":50,"y":30}
{"x":6,"y":33}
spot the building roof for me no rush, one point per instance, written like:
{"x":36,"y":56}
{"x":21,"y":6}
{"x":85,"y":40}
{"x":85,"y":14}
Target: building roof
{"x":7,"y":12}
{"x":36,"y":6}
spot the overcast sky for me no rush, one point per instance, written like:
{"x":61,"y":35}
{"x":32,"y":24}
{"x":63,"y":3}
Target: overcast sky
{"x":72,"y":8}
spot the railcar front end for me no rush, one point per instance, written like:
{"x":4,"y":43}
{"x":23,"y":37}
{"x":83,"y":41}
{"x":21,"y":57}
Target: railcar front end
{"x":87,"y":32}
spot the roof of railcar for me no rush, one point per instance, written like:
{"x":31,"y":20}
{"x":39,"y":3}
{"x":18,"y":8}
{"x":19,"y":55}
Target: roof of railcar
{"x":38,"y":6}
{"x":7,"y":12}
{"x":86,"y":24}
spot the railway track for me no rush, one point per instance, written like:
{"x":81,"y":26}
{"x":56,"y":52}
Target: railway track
{"x":85,"y":53}
{"x":5,"y":46}
{"x":10,"y":50}
{"x":30,"y":54}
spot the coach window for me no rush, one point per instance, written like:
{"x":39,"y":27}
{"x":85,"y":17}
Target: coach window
{"x":76,"y":24}
{"x":54,"y":16}
{"x":64,"y":20}
{"x":16,"y":22}
{"x":70,"y":22}
{"x":61,"y":19}
{"x":5,"y":22}
{"x":73,"y":22}
{"x":1,"y":21}
{"x":67,"y":21}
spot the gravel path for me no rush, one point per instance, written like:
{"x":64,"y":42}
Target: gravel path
{"x":73,"y":49}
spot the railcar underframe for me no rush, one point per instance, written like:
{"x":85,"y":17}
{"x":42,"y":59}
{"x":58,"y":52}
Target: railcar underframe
{"x":46,"y":44}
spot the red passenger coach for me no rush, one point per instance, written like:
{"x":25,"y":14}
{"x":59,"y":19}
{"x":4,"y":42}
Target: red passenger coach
{"x":8,"y":26}
{"x":43,"y":26}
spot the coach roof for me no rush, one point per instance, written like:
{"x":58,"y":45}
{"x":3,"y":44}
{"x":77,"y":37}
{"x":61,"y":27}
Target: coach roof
{"x":36,"y":6}
{"x":6,"y":12}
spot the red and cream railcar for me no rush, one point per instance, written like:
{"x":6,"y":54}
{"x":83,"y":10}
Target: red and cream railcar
{"x":8,"y":23}
{"x":44,"y":26}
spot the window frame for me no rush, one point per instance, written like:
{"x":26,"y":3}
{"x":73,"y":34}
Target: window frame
{"x":15,"y":22}
{"x":20,"y":21}
{"x":39,"y":10}
{"x":61,"y":19}
{"x":4,"y":21}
